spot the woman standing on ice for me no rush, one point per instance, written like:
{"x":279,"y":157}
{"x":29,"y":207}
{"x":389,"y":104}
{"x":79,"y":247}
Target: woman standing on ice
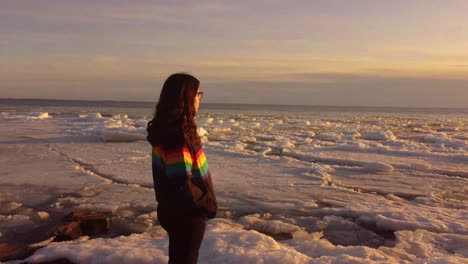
{"x":182,"y":182}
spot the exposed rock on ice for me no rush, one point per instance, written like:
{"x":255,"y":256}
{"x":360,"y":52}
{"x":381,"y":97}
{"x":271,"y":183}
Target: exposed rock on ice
{"x":10,"y":252}
{"x":82,"y":223}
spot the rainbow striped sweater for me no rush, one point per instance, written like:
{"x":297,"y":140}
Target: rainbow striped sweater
{"x":182,"y":180}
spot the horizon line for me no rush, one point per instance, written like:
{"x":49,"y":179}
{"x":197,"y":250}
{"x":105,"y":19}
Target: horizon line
{"x":246,"y":104}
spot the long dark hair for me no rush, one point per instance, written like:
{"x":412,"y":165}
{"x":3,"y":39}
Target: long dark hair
{"x":175,"y":112}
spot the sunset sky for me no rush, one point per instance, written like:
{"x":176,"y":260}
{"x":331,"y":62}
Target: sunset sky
{"x":411,"y":53}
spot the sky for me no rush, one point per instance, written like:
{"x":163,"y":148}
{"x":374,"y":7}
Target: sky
{"x":399,"y":53}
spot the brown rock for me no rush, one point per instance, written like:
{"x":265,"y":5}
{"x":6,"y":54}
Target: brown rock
{"x":68,"y":231}
{"x":56,"y":261}
{"x":82,"y":222}
{"x":92,"y":223}
{"x":10,"y":252}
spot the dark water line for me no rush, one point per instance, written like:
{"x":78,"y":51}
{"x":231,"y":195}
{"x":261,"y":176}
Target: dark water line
{"x":233,"y":107}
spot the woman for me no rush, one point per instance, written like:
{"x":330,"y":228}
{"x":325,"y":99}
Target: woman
{"x":182,"y":182}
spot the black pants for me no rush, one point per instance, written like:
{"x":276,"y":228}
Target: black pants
{"x":185,"y":235}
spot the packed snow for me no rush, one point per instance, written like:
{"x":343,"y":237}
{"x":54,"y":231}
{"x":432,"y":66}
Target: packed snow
{"x":293,"y":187}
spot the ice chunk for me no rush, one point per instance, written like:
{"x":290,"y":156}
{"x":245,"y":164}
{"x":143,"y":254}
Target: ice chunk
{"x":378,"y":167}
{"x":145,"y":219}
{"x":256,"y":125}
{"x":202,"y":132}
{"x":330,"y":136}
{"x":87,"y":192}
{"x":449,"y":129}
{"x":326,"y":124}
{"x":125,"y":213}
{"x":17,"y":220}
{"x":43,"y":216}
{"x":395,"y":198}
{"x":351,"y":134}
{"x":266,"y":151}
{"x":141,"y":123}
{"x":12,"y":206}
{"x":91,"y":117}
{"x":420,"y":166}
{"x":239,"y":147}
{"x":361,"y":145}
{"x":120,"y":116}
{"x":379,"y":135}
{"x":286,"y":144}
{"x":117,"y":136}
{"x":40,"y":115}
{"x":26,"y":211}
{"x":267,"y":226}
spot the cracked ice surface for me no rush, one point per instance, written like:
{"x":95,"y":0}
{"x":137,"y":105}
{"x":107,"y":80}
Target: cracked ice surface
{"x":293,"y":188}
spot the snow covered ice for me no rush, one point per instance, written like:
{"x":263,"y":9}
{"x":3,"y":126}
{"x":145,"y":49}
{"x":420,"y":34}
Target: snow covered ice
{"x":294,"y":187}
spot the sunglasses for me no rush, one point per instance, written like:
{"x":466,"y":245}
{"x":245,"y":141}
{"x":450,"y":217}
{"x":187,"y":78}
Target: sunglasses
{"x":200,"y":94}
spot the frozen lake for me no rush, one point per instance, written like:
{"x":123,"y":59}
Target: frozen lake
{"x":293,"y":186}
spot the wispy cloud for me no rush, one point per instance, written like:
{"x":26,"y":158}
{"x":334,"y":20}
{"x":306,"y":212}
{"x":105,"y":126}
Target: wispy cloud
{"x":276,"y":46}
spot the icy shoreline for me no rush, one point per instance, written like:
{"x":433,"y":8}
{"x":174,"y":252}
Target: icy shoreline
{"x":292,"y":190}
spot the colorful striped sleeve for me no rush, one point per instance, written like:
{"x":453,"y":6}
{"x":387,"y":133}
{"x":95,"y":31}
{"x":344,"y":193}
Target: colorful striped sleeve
{"x":178,"y":163}
{"x":200,"y":165}
{"x":157,"y":155}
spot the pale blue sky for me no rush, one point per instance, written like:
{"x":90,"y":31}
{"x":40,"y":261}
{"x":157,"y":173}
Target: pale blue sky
{"x":329,"y":52}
